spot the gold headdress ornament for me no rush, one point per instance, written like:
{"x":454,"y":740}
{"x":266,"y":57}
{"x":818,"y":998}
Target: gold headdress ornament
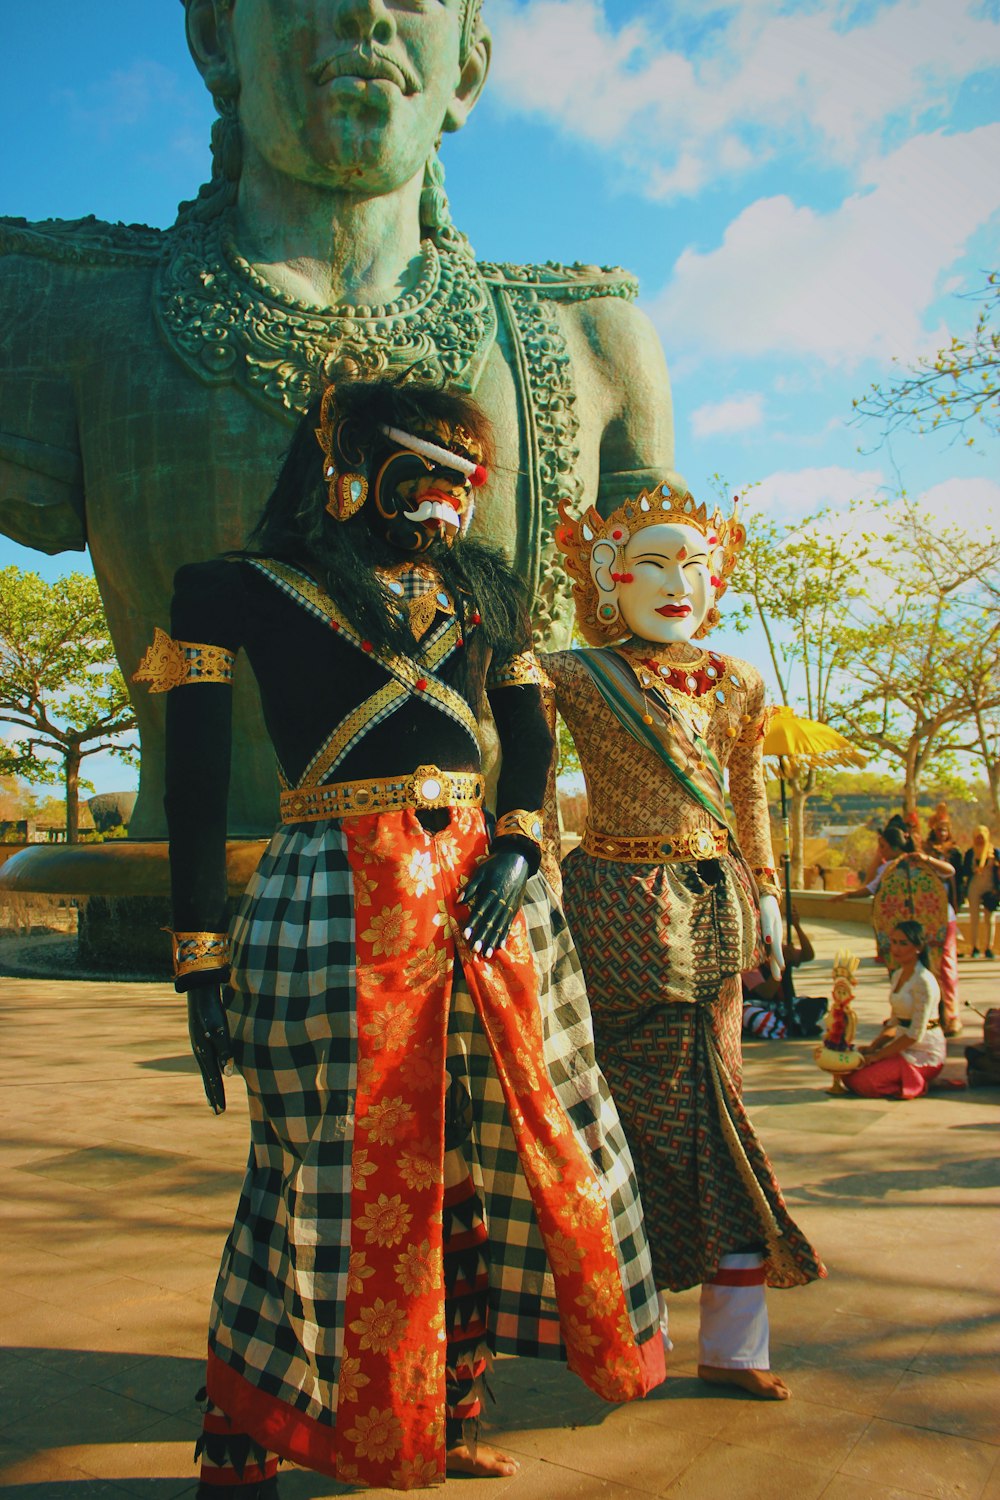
{"x":347,"y":489}
{"x":592,"y":547}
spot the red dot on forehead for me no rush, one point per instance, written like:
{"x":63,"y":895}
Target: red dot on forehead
{"x":682,"y":554}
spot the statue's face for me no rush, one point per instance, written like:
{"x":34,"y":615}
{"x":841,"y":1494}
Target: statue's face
{"x":350,"y":93}
{"x":671,"y":588}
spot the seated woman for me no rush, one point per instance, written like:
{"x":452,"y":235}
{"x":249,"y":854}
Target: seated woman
{"x":909,"y":1051}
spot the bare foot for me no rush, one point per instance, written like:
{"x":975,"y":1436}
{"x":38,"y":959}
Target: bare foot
{"x":763,"y":1384}
{"x":482,"y":1462}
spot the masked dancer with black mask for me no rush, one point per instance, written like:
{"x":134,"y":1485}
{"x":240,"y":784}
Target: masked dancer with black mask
{"x":437,"y":1172}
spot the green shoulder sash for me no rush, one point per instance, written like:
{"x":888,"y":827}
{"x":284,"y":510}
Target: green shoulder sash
{"x":680,"y":748}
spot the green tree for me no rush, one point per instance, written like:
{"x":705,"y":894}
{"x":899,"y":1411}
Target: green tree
{"x":919,"y":661}
{"x":957,"y":387}
{"x":801,"y":583}
{"x":59,"y":682}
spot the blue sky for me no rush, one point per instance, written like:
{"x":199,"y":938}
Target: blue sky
{"x":804,"y":189}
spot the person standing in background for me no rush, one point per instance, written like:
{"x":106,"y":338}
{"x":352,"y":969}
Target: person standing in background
{"x":981,"y":879}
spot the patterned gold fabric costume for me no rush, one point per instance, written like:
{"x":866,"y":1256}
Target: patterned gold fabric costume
{"x":663,"y":938}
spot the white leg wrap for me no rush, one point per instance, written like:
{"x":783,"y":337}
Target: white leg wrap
{"x":733,"y":1333}
{"x":664,"y":1323}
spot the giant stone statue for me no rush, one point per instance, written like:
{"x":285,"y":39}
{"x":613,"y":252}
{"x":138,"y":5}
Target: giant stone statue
{"x":151,"y":378}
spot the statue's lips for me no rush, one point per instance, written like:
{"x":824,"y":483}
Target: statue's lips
{"x":674,"y":611}
{"x":356,"y":67}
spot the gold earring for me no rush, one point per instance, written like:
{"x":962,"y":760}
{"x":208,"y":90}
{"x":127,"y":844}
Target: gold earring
{"x":347,"y":491}
{"x":710,"y":621}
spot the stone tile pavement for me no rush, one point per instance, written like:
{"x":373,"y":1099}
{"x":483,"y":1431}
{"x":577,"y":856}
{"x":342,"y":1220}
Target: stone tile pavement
{"x":118,"y":1185}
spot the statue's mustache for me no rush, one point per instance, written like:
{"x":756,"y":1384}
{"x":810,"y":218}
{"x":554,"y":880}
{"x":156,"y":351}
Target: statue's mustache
{"x":370,"y":61}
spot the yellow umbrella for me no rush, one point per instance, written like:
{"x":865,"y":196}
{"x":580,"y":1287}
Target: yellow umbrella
{"x":790,"y":742}
{"x":790,"y":738}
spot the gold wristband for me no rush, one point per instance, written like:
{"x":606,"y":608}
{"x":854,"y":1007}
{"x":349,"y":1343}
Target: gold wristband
{"x":526,"y":825}
{"x":196,"y":951}
{"x":169,"y":664}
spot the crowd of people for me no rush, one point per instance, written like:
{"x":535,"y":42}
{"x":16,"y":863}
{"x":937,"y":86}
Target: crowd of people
{"x":972,"y":876}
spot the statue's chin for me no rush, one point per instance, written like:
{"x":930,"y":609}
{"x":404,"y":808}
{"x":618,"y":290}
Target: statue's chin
{"x":368,"y":146}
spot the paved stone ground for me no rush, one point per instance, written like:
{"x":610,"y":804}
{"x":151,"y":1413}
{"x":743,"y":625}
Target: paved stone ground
{"x":119,"y":1186}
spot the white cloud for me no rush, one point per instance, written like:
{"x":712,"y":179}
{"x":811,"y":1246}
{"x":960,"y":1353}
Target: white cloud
{"x":844,"y":285}
{"x":792,"y":494}
{"x":765,"y":77}
{"x":739,"y":414}
{"x":970,"y":505}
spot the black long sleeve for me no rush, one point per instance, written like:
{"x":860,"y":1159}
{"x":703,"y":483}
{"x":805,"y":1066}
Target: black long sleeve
{"x":309,"y":678}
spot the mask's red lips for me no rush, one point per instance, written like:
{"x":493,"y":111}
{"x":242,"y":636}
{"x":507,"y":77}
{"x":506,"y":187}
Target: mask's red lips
{"x":674,"y":611}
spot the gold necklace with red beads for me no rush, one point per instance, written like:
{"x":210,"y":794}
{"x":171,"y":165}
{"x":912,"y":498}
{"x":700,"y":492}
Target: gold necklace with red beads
{"x":690,"y":680}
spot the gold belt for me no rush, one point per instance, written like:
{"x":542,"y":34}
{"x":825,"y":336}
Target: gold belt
{"x":427,"y":786}
{"x":698,"y":843}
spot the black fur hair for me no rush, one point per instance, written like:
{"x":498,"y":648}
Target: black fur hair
{"x":295,"y":527}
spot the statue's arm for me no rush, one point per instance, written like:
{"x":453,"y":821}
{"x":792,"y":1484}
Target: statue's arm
{"x":41,"y":471}
{"x":628,"y":364}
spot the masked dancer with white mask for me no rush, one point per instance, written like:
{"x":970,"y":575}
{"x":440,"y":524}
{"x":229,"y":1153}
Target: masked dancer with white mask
{"x":669,"y":902}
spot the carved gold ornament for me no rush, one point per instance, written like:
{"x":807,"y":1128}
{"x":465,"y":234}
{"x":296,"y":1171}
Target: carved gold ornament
{"x":697,"y":843}
{"x":522,"y":670}
{"x":170,"y":664}
{"x":197,"y":951}
{"x":427,"y":787}
{"x":526,"y":825}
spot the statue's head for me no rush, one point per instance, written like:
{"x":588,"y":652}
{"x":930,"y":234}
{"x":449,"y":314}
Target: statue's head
{"x":653,"y":569}
{"x":351,"y":94}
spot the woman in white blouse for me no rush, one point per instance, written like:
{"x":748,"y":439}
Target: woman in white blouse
{"x":910,"y":1049}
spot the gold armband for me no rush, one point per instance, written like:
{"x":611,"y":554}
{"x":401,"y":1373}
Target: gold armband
{"x":194,"y":951}
{"x":523,"y":670}
{"x":169,"y":664}
{"x":527,"y":825}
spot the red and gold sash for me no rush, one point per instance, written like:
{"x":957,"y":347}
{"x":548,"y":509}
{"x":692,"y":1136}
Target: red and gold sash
{"x":390,"y":1411}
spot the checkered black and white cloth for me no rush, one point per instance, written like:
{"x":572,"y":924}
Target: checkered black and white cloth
{"x":278,"y":1308}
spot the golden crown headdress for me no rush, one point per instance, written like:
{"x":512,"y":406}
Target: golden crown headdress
{"x":592,"y":547}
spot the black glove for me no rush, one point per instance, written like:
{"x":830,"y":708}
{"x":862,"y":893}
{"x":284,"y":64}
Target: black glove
{"x":493,"y":895}
{"x":210,"y":1043}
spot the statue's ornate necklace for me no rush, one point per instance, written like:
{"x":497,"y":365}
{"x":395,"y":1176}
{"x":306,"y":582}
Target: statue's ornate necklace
{"x":228,"y":323}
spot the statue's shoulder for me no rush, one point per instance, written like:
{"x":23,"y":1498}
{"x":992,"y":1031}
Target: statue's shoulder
{"x":558,"y":283}
{"x":81,"y":242}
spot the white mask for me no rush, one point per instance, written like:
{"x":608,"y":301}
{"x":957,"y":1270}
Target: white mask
{"x":668,"y":582}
